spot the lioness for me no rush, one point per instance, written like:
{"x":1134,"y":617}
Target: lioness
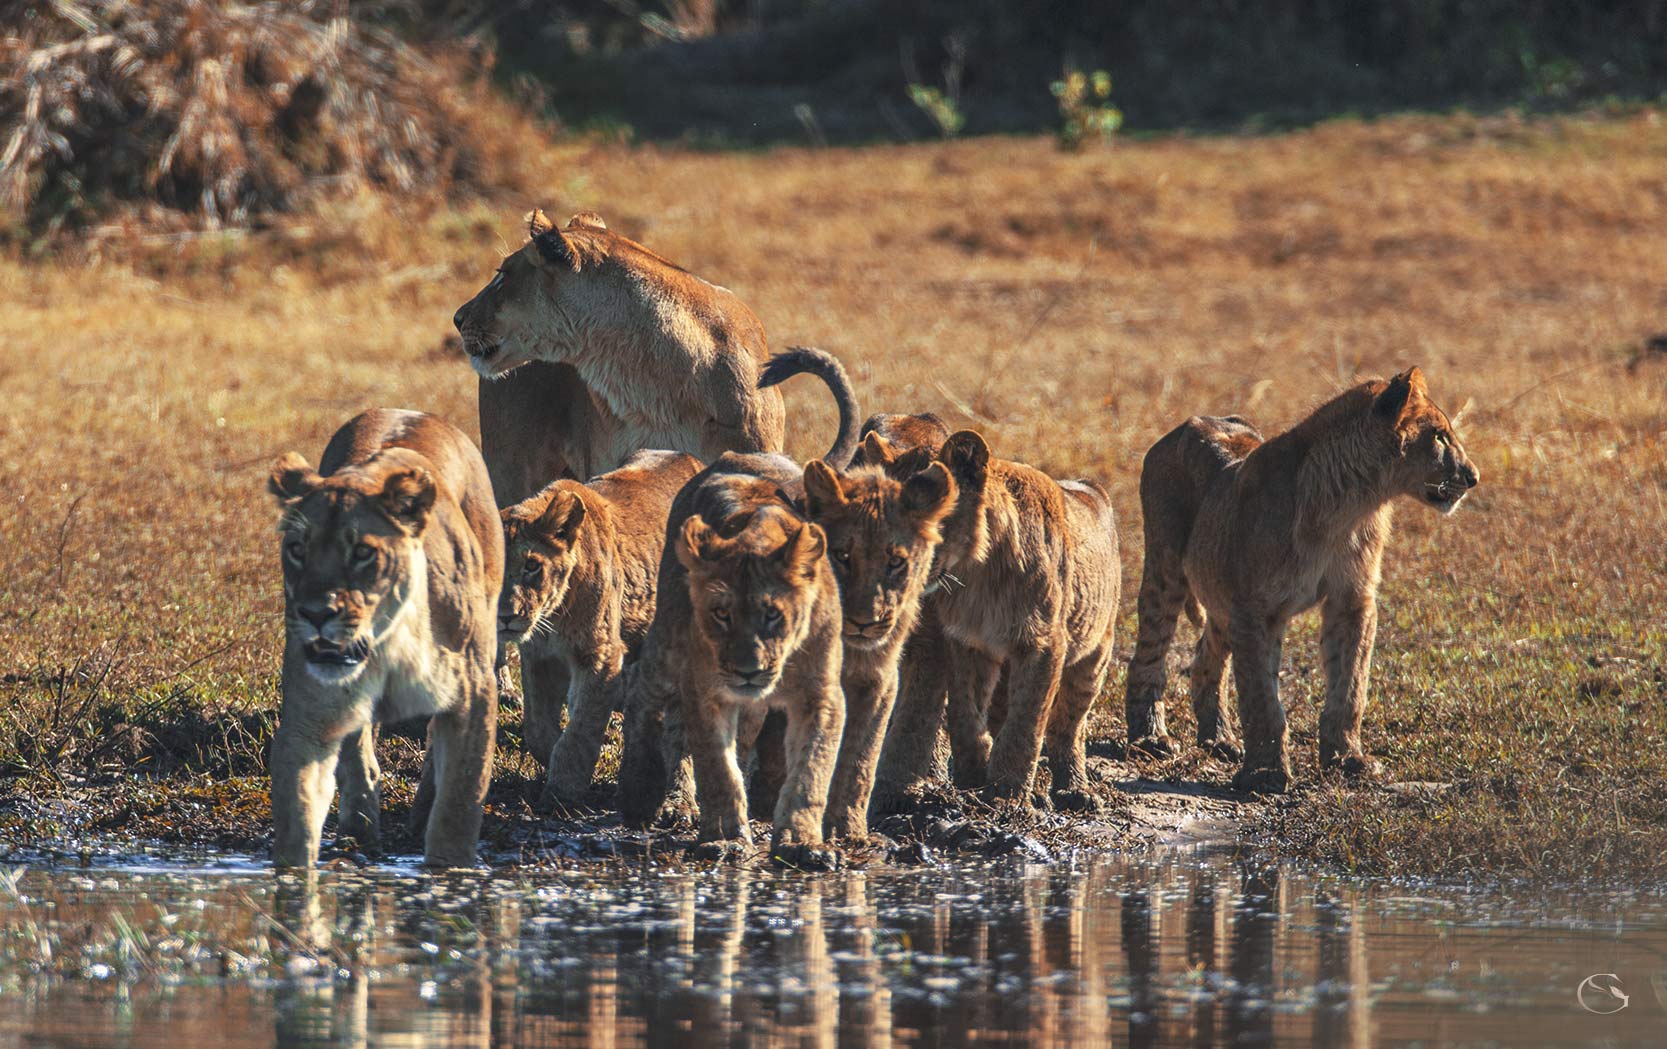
{"x":626,"y":351}
{"x":882,"y":536}
{"x":1036,"y":579}
{"x":579,"y":568}
{"x":1279,"y":527}
{"x":392,"y":558}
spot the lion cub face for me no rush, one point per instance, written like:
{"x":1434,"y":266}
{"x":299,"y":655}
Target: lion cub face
{"x":754,"y":588}
{"x":526,"y":301}
{"x":1432,"y":466}
{"x":541,"y":549}
{"x":352,"y":554}
{"x":882,"y":535}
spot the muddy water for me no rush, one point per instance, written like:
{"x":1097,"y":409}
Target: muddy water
{"x":1185,"y":949}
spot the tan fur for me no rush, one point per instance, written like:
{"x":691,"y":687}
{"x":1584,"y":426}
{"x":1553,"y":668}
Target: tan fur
{"x":392,"y":558}
{"x":1279,"y":527}
{"x":1036,"y":578}
{"x":579,"y":571}
{"x":748,"y":620}
{"x":882,"y":537}
{"x":590,"y":346}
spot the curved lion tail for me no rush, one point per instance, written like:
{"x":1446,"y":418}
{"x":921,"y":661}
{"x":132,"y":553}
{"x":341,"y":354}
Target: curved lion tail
{"x":797,"y":360}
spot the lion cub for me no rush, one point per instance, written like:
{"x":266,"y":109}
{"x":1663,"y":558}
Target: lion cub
{"x":392,"y":558}
{"x":1257,"y":532}
{"x":1034,"y":565}
{"x":882,"y":536}
{"x":748,"y":621}
{"x":579,"y":567}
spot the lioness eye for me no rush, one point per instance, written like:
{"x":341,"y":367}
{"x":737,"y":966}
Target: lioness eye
{"x":842,"y":556}
{"x":897,"y":562}
{"x":295,"y":549}
{"x":721,"y":615}
{"x":772,"y":617}
{"x":529,"y":572}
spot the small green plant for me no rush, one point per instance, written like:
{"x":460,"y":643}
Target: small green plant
{"x":939,"y":106}
{"x":1085,"y":109}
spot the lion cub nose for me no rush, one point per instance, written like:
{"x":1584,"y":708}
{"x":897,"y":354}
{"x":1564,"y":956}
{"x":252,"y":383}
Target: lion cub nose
{"x":1472,"y":476}
{"x":317,"y":615}
{"x":457,"y":320}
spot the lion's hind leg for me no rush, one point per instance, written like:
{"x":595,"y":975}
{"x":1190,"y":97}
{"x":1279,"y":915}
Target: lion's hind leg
{"x":1067,"y":730}
{"x":1164,"y":593}
{"x":1208,"y":686}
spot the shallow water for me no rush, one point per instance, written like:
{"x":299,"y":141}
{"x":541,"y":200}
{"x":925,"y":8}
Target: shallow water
{"x":1181,"y":949}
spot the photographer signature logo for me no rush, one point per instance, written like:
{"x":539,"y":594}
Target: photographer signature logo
{"x":1602,"y":994}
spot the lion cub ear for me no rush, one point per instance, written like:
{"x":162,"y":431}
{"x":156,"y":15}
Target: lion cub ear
{"x":696,"y":543}
{"x":1401,"y":396}
{"x":968,"y":458}
{"x":586,"y":219}
{"x":407,"y":498}
{"x":802,"y":553}
{"x":877,"y":451}
{"x":562,"y":517}
{"x":822,"y":490}
{"x":291,"y":478}
{"x":553,"y":248}
{"x":929,"y":495}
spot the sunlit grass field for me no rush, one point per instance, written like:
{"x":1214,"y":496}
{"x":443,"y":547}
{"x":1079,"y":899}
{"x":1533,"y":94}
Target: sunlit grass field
{"x":1073,"y":307}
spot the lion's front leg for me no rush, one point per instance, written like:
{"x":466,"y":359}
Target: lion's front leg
{"x":461,"y":746}
{"x":359,"y":790}
{"x":868,"y":706}
{"x":642,"y":759}
{"x":814,"y":731}
{"x":1032,"y":687}
{"x":303,"y":781}
{"x":710,"y":728}
{"x":972,"y":681}
{"x":1257,"y":646}
{"x":910,"y":755}
{"x":1348,"y":629}
{"x":544,"y":692}
{"x":591,"y":701}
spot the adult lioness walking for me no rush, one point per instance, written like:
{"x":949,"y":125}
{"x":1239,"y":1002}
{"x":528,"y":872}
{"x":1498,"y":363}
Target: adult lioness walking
{"x":1259,"y":532}
{"x":392,"y":559}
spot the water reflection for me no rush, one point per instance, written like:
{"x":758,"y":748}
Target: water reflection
{"x":1183,"y":950}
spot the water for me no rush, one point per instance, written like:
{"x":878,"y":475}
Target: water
{"x":1181,"y":949}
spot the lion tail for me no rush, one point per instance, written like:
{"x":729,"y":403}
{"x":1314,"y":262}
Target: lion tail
{"x":797,"y":360}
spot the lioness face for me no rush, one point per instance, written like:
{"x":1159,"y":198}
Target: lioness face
{"x":351,"y":549}
{"x":527,"y":309}
{"x":1432,"y":466}
{"x":753,"y":595}
{"x":541,"y":550}
{"x":882,"y":534}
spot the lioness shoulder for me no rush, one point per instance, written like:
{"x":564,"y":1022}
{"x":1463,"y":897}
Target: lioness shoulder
{"x":392,"y":560}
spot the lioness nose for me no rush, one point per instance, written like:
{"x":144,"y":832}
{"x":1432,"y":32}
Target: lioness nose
{"x":317,"y":615}
{"x":457,"y":320}
{"x":1472,"y":476}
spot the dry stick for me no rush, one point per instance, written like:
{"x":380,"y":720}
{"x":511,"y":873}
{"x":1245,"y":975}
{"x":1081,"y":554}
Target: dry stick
{"x":1593,"y":366}
{"x":63,"y":535}
{"x":991,"y":374}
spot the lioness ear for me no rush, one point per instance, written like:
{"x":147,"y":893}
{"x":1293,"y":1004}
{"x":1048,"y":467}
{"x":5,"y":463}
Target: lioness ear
{"x":553,"y":248}
{"x":695,"y":543}
{"x":586,"y":218}
{"x":562,"y":517}
{"x":538,"y":223}
{"x":929,"y":495}
{"x":803,"y":551}
{"x":967,"y":457}
{"x":408,"y":498}
{"x":291,"y":478}
{"x":877,"y":451}
{"x":1403,"y":391}
{"x":822,"y":490}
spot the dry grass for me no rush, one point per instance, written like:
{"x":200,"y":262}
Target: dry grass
{"x":1072,"y":307}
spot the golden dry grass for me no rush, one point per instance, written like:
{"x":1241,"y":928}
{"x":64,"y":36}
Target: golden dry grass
{"x":1073,"y":307}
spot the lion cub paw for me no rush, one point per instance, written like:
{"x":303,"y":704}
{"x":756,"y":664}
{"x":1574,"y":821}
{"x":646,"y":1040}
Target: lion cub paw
{"x":1151,"y":747}
{"x":1262,"y":780}
{"x":803,"y":857}
{"x":1358,"y":768}
{"x":1078,"y":801}
{"x":1222,"y":748}
{"x":727,"y":850}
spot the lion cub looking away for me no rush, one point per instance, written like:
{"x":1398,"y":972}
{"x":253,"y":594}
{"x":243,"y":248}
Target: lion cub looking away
{"x":1032,"y":575}
{"x":579,"y":568}
{"x":392,"y":557}
{"x":1259,"y":532}
{"x":882,"y":536}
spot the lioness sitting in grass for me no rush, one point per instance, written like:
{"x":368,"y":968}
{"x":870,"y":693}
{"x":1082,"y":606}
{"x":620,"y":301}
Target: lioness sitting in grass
{"x":1257,"y":532}
{"x":392,"y":558}
{"x":882,"y":536}
{"x":579,"y":568}
{"x":1033,"y":578}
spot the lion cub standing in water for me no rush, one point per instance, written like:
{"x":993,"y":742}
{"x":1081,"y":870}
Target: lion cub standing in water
{"x":1258,"y":532}
{"x":579,"y":591}
{"x":392,"y":558}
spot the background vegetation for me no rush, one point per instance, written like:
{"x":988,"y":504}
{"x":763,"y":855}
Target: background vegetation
{"x":171,"y":328}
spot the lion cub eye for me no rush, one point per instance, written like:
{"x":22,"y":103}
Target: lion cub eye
{"x":529,"y":571}
{"x":363,"y":553}
{"x":721,"y":615}
{"x":842,"y":558}
{"x":772,"y":617}
{"x":295,"y":550}
{"x":897,"y":562}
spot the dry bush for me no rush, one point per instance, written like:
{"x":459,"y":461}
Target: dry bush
{"x":207,"y":112}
